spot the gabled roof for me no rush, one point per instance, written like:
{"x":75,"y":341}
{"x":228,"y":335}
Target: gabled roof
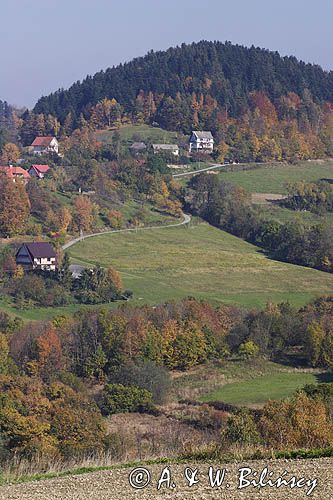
{"x":40,"y":168}
{"x":43,"y":141}
{"x":166,"y":146}
{"x":15,"y":172}
{"x":138,"y":145}
{"x":40,"y":250}
{"x":203,"y":134}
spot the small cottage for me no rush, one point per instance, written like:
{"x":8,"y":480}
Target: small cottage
{"x":38,"y":171}
{"x":166,"y":148}
{"x":138,"y":147}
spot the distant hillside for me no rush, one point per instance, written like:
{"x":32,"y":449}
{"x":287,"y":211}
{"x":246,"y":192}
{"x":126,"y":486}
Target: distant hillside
{"x":227,"y":73}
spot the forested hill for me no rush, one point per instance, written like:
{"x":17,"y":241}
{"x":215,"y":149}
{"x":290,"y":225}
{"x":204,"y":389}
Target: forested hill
{"x":228,"y":73}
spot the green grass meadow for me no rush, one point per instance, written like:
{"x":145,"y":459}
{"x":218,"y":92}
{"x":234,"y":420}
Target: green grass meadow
{"x":256,"y":391}
{"x":144,"y":133}
{"x":201,"y":261}
{"x":272,"y":178}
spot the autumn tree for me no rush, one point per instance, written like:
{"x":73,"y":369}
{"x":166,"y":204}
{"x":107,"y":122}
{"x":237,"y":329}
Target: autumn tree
{"x":10,"y":154}
{"x":115,"y":219}
{"x":83,"y":213}
{"x":14,"y":207}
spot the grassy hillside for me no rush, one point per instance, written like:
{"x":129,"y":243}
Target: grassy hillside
{"x":244,"y":382}
{"x":258,"y":390}
{"x":272,"y":178}
{"x":145,"y":133}
{"x":203,"y":262}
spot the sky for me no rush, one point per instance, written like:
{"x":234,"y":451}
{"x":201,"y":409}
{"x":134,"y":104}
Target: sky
{"x":50,"y":44}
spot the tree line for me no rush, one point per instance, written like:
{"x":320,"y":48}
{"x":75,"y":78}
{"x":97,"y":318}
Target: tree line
{"x":229,"y":207}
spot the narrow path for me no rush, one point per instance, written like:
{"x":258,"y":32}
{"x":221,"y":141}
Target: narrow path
{"x":206,"y":169}
{"x":186,"y":220}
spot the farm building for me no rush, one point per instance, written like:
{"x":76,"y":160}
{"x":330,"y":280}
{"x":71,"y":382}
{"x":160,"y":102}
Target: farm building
{"x":45,"y":145}
{"x":201,"y":142}
{"x":166,"y":148}
{"x":36,"y":255}
{"x":138,"y":147}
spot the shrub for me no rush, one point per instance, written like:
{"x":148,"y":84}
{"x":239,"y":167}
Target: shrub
{"x":241,"y":428}
{"x":300,"y":423}
{"x":248,"y":349}
{"x":118,"y":398}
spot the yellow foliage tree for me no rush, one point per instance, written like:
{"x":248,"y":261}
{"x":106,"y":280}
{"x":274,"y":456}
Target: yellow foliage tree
{"x":10,"y":154}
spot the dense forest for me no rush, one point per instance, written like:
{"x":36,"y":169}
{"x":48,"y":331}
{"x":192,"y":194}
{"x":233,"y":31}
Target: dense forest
{"x":226,"y":72}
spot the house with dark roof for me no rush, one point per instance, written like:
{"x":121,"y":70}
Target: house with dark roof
{"x":45,"y":145}
{"x":166,"y":148}
{"x":36,"y":255}
{"x":201,"y":141}
{"x":38,"y":171}
{"x":15,"y":173}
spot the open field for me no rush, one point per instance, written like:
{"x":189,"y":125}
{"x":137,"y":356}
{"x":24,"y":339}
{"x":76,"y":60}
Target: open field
{"x":142,"y":133}
{"x":282,"y":214}
{"x":201,"y":261}
{"x":243,"y":382}
{"x":272,"y":178}
{"x":257,"y":391}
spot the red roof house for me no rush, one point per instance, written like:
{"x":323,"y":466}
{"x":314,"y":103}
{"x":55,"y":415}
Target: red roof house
{"x":38,"y":170}
{"x":45,"y":145}
{"x":15,"y":173}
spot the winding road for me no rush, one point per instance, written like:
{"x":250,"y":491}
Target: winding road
{"x":206,"y":169}
{"x":186,"y":220}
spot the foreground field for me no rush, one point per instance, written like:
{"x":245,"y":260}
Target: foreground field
{"x":200,"y":261}
{"x":114,"y":484}
{"x":272,"y":178}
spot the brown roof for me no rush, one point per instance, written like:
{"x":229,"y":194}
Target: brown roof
{"x":42,"y":141}
{"x":40,"y":249}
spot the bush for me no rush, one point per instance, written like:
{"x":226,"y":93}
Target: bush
{"x":241,"y":428}
{"x":300,"y":423}
{"x":118,"y":398}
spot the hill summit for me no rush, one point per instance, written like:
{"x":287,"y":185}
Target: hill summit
{"x":227,"y":73}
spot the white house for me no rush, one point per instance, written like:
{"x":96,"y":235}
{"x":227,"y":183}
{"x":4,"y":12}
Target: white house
{"x":201,"y":142}
{"x":45,"y":145}
{"x":166,"y":148}
{"x":36,"y":255}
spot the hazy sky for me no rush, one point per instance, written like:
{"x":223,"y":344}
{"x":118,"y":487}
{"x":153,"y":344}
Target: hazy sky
{"x":47,"y":44}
